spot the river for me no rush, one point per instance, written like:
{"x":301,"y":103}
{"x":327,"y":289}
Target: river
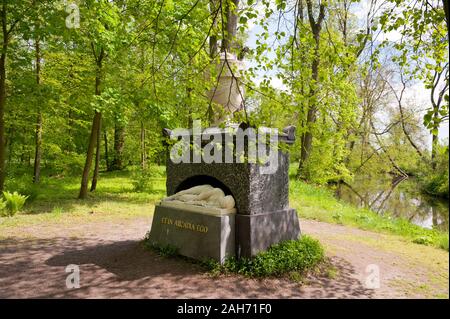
{"x":399,"y":197}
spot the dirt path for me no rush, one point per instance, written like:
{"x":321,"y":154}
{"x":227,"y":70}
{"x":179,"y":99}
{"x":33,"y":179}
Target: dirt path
{"x":114,"y":265}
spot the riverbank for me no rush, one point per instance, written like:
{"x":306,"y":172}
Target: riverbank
{"x":318,"y":203}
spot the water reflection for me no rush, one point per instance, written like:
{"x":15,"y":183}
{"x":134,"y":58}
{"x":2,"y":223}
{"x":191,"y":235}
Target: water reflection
{"x":399,"y":197}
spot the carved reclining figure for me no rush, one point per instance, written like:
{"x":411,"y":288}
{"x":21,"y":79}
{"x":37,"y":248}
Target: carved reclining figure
{"x":203,"y":195}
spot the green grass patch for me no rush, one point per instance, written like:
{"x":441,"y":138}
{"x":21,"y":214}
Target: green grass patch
{"x":293,"y":258}
{"x":54,"y":200}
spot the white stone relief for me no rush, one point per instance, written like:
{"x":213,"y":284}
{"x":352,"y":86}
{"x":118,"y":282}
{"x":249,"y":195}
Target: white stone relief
{"x":205,"y":197}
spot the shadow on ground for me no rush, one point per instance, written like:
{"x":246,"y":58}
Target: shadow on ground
{"x":124,"y":269}
{"x":127,"y":260}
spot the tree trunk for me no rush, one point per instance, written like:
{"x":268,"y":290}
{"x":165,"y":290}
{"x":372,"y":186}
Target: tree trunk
{"x":105,"y":139}
{"x":90,"y":154}
{"x":9,"y":143}
{"x":70,"y":122}
{"x":96,"y":122}
{"x":38,"y":135}
{"x":3,"y":96}
{"x":2,"y":119}
{"x":97,"y":159}
{"x":22,"y":154}
{"x":38,"y":150}
{"x":434,"y":145}
{"x":119,"y":142}
{"x":143,"y":153}
{"x":307,"y":136}
{"x":213,"y":37}
{"x":231,"y":26}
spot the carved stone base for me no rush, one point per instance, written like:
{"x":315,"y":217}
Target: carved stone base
{"x":195,"y":234}
{"x":255,"y":233}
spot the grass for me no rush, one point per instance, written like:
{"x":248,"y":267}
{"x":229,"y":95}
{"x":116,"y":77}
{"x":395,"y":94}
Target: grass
{"x":417,"y":290}
{"x":294,"y":258}
{"x":116,"y":196}
{"x":55,"y":201}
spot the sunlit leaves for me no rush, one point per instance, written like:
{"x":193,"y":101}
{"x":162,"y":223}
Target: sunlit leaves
{"x":422,"y":52}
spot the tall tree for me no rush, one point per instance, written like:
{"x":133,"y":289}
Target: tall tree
{"x":104,"y":35}
{"x":316,"y":28}
{"x":38,"y":134}
{"x":6,"y":33}
{"x":94,"y":141}
{"x":12,"y":14}
{"x":119,"y":144}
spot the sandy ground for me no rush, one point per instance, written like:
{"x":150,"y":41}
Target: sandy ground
{"x":113,"y":264}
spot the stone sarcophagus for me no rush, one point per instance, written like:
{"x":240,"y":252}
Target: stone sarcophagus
{"x":261,"y":215}
{"x":195,"y":234}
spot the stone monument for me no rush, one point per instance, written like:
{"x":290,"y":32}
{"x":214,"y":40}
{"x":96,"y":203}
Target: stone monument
{"x":225,"y":209}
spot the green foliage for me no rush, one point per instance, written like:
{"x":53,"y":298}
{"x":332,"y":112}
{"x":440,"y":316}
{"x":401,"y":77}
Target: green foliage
{"x":437,"y":184}
{"x":143,"y":179}
{"x":423,"y":240}
{"x":286,"y":257}
{"x":332,"y":272}
{"x":323,"y":104}
{"x":57,"y":210}
{"x":435,"y":181}
{"x":66,"y":163}
{"x":443,"y":242}
{"x":13,"y":203}
{"x":422,"y":52}
{"x":337,"y":217}
{"x":31,"y":191}
{"x":154,"y":77}
{"x":2,"y":206}
{"x":163,"y":250}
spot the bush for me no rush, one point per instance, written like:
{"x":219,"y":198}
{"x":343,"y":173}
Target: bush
{"x":436,"y":184}
{"x":285,"y":258}
{"x":14,"y":203}
{"x":142,"y":179}
{"x":423,"y":240}
{"x":30,"y":191}
{"x":435,"y":181}
{"x":63,"y":163}
{"x":289,"y":256}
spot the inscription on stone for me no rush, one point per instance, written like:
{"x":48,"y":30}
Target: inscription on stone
{"x":184,"y":224}
{"x":196,"y":235}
